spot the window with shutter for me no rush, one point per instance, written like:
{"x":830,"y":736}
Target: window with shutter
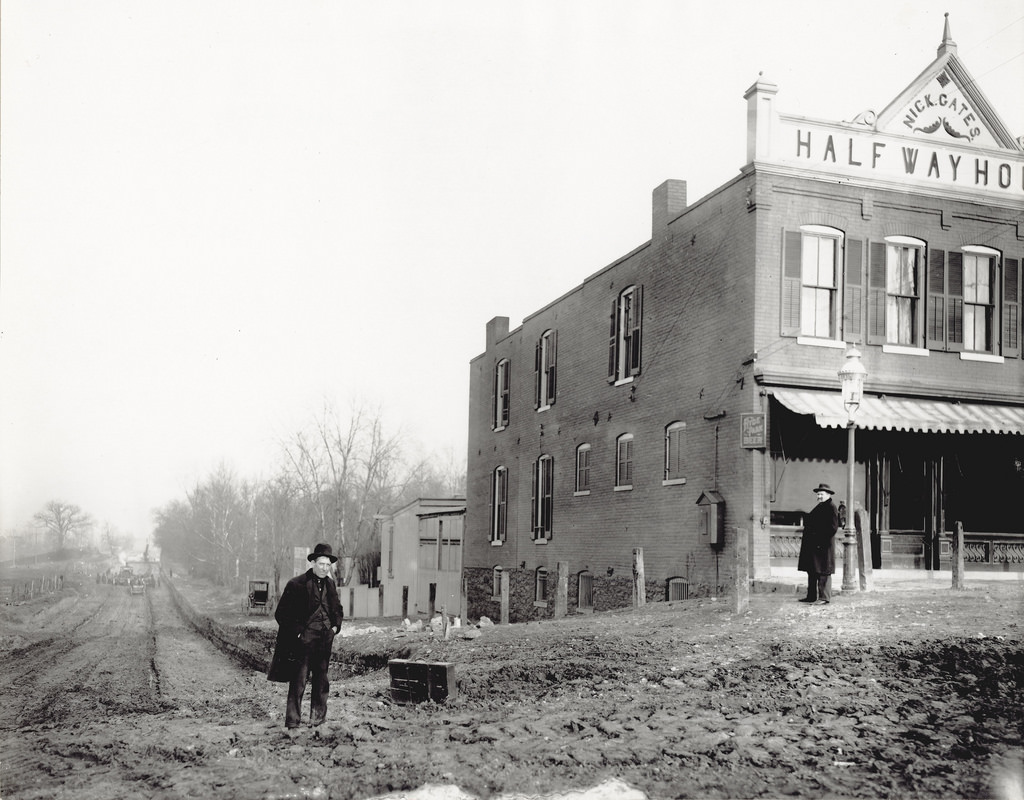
{"x":674,"y":452}
{"x":811,"y":265}
{"x":624,"y":461}
{"x":626,"y":335}
{"x":876,"y":293}
{"x":499,"y":505}
{"x":544,"y":371}
{"x":904,"y":257}
{"x":583,"y":469}
{"x":542,"y":500}
{"x":501,"y":395}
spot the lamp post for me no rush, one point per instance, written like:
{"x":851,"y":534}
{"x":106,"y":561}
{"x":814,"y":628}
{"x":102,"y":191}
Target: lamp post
{"x":851,"y":379}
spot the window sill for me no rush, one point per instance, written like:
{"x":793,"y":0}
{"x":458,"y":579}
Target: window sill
{"x":623,"y":381}
{"x":499,"y":429}
{"x":624,"y":488}
{"x":496,"y":543}
{"x":540,"y":603}
{"x":991,"y":359}
{"x":673,"y":482}
{"x":581,"y":493}
{"x":813,"y":341}
{"x":543,"y":408}
{"x":904,"y":350}
{"x":540,"y":541}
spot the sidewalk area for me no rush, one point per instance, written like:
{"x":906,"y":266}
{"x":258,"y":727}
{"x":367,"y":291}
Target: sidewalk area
{"x":900,"y":578}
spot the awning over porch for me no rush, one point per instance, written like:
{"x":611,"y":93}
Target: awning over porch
{"x":904,"y":414}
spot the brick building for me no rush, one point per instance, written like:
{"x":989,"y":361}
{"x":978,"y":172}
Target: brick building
{"x":702,"y":366}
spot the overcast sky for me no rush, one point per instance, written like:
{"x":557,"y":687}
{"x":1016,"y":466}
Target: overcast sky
{"x":218,"y":215}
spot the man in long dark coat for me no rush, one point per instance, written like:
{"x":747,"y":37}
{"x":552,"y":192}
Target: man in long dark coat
{"x":817,"y":552}
{"x":308,"y":615}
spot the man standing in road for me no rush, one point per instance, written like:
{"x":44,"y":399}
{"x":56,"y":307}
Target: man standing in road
{"x":817,"y":553}
{"x":308,"y":615}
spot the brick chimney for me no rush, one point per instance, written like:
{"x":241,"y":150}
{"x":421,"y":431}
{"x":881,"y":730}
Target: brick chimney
{"x":668,"y":202}
{"x":497,"y":329}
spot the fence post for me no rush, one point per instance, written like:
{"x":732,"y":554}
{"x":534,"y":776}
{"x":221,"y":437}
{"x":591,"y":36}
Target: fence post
{"x":639,"y":581}
{"x":504,"y":597}
{"x":958,"y":555}
{"x":741,"y":572}
{"x":562,"y":589}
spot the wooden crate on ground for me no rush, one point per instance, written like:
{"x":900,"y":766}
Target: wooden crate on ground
{"x":419,"y":681}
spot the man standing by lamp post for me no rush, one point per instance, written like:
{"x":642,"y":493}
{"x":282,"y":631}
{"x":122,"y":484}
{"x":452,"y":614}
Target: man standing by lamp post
{"x":851,"y":379}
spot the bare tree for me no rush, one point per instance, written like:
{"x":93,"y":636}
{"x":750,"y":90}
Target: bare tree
{"x":65,"y":522}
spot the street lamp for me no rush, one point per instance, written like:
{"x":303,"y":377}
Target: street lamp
{"x":851,"y":379}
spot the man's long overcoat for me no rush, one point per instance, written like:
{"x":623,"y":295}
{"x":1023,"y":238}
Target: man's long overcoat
{"x":817,"y":551}
{"x":298,"y":602}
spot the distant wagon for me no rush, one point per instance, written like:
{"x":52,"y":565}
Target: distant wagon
{"x":137,"y":586}
{"x":259,"y":598}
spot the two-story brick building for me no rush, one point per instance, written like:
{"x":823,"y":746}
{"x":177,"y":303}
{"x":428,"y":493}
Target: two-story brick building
{"x":704,"y":363}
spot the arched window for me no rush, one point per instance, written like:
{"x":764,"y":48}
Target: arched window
{"x":624,"y":462}
{"x":583,"y":469}
{"x":499,"y":505}
{"x":501,"y":394}
{"x":542,"y":498}
{"x":544,"y":371}
{"x":674,"y":453}
{"x":625,"y":335}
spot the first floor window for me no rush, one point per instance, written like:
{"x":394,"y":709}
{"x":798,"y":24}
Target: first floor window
{"x":542,"y":497}
{"x":624,"y":461}
{"x":583,"y":468}
{"x":496,"y":581}
{"x":499,"y":504}
{"x":541,"y":590}
{"x":674,"y":451}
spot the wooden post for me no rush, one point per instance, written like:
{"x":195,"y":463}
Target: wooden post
{"x":958,"y":556}
{"x":464,"y":604}
{"x":562,"y":589}
{"x":504,"y":597}
{"x":860,"y":518}
{"x":639,"y":582}
{"x":741,"y":572}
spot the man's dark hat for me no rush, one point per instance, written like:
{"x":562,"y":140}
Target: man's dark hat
{"x":322,"y":550}
{"x":822,"y":487}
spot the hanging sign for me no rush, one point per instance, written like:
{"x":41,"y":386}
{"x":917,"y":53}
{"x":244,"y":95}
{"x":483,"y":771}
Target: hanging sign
{"x":754,"y":430}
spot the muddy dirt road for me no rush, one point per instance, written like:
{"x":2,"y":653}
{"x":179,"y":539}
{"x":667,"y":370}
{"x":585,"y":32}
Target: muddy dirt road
{"x":913,"y":693}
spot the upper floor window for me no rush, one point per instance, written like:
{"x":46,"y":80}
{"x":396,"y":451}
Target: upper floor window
{"x":979,"y":298}
{"x":499,"y":505}
{"x":544,"y":370}
{"x":625,"y":334}
{"x":541,"y":505}
{"x":811,"y":271}
{"x":963,"y":296}
{"x":674,"y":452}
{"x":501,"y":395}
{"x":583,"y":468}
{"x":624,"y":461}
{"x":904,"y":258}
